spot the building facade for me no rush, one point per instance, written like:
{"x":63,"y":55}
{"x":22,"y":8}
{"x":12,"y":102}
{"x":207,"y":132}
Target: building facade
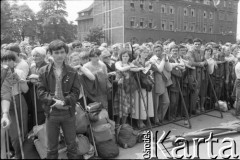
{"x":139,"y":21}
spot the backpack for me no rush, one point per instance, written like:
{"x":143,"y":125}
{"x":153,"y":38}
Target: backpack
{"x":107,"y":149}
{"x":83,"y":144}
{"x":127,"y":137}
{"x":82,"y":121}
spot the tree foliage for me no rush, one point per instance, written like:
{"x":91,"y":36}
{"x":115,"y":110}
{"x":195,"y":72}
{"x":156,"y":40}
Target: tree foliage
{"x":52,"y":22}
{"x":95,"y":35}
{"x":19,"y":21}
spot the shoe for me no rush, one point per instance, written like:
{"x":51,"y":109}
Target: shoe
{"x":186,"y":123}
{"x":141,"y":125}
{"x":202,"y":109}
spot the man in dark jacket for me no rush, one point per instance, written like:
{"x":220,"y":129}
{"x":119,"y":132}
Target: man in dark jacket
{"x":59,"y":90}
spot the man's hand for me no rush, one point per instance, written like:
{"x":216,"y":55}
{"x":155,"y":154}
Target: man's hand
{"x":58,"y":104}
{"x":34,"y":78}
{"x":5,"y":122}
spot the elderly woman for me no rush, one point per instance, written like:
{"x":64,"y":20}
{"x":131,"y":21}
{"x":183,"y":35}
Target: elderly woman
{"x":97,"y":90}
{"x":141,"y":113}
{"x":38,"y":56}
{"x":124,"y":99}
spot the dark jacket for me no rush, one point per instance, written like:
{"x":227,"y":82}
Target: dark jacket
{"x":70,"y":87}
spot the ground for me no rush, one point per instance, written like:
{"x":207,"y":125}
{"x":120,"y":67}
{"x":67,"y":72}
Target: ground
{"x":199,"y":122}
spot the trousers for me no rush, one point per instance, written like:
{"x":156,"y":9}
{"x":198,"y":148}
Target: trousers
{"x":67,"y":123}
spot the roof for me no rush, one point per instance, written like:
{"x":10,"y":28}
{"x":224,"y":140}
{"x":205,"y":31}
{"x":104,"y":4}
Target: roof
{"x":87,"y":9}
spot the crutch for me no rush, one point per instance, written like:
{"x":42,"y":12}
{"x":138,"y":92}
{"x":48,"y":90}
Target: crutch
{"x":7,"y":141}
{"x":85,"y":104}
{"x":18,"y":127}
{"x":35,"y":104}
{"x":21,"y":111}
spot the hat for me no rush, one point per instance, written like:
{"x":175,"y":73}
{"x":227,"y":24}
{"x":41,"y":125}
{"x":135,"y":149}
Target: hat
{"x":105,"y":54}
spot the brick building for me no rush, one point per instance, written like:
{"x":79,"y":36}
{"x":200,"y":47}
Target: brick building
{"x":150,"y":20}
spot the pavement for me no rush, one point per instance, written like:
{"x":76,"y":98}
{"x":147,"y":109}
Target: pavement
{"x":198,"y":122}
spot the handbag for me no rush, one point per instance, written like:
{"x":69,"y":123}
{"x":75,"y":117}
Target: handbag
{"x":146,"y":82}
{"x":94,"y":107}
{"x":130,"y":85}
{"x":82,"y":121}
{"x":176,"y":72}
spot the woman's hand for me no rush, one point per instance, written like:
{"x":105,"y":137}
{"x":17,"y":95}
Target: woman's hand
{"x":120,"y":81}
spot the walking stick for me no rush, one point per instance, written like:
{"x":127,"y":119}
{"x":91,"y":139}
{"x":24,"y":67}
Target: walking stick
{"x":21,"y":110}
{"x":144,"y":102}
{"x":18,"y":127}
{"x":35,"y":104}
{"x":85,"y":104}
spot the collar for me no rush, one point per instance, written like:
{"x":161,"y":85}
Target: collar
{"x":64,"y":68}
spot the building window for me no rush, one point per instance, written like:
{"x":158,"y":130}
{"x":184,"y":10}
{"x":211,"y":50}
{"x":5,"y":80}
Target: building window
{"x":132,"y":21}
{"x":211,"y":15}
{"x":224,"y":3}
{"x":192,"y":28}
{"x":163,"y":8}
{"x":205,"y":28}
{"x":171,"y":26}
{"x":141,"y":4}
{"x":141,"y":22}
{"x":82,"y":14}
{"x":150,"y":24}
{"x":163,"y":24}
{"x":150,"y":6}
{"x":211,"y":29}
{"x":185,"y":12}
{"x":197,"y":1}
{"x":103,"y":3}
{"x":132,"y":4}
{"x":171,"y":10}
{"x":205,"y":14}
{"x":104,"y":18}
{"x":193,"y":12}
{"x":185,"y":27}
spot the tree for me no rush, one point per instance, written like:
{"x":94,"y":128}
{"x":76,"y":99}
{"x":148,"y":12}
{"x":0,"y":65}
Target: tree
{"x":6,"y":23}
{"x":23,"y":22}
{"x":52,"y":23}
{"x":95,"y":34}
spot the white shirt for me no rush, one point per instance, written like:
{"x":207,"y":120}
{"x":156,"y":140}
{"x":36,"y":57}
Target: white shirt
{"x":23,"y":65}
{"x":237,"y":70}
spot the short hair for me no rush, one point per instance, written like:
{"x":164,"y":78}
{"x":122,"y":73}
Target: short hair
{"x":124,"y":51}
{"x":76,"y":43}
{"x":8,"y":55}
{"x":39,"y":50}
{"x":197,"y":40}
{"x":182,"y":46}
{"x":174,"y":47}
{"x":14,"y":47}
{"x":158,"y":46}
{"x":94,"y":52}
{"x":84,"y":54}
{"x":57,"y":45}
{"x":208,"y":48}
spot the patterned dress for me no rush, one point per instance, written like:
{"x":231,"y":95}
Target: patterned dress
{"x":123,"y":102}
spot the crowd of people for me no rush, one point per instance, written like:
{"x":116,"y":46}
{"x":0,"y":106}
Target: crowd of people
{"x":147,"y":82}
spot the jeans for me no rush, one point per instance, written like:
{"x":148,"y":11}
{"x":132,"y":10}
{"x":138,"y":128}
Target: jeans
{"x":67,"y":123}
{"x":238,"y":97}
